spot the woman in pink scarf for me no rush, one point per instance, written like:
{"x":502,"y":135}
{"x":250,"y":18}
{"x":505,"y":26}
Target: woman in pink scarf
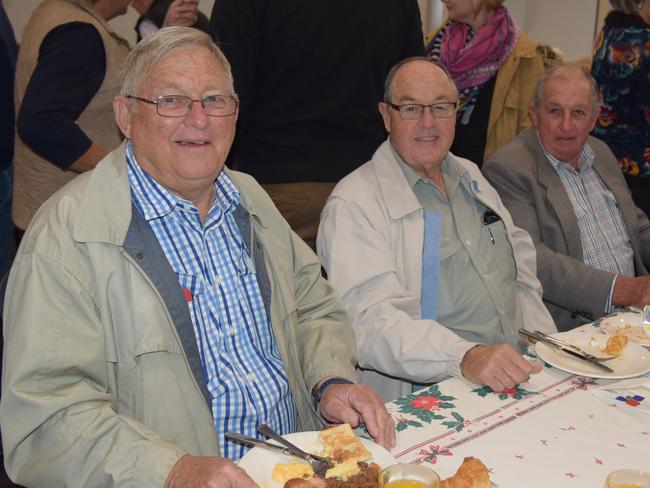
{"x":495,"y":66}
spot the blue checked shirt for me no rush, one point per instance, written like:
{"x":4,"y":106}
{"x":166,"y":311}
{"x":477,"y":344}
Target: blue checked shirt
{"x":245,"y":375}
{"x":605,"y":241}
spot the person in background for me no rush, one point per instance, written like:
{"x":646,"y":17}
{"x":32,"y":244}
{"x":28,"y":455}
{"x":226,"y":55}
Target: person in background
{"x":621,"y":67}
{"x":436,"y":279}
{"x":309,"y":75}
{"x":155,"y":14}
{"x":66,"y":79}
{"x":565,"y":188}
{"x":494,"y":65}
{"x":161,"y":300}
{"x":8,"y":52}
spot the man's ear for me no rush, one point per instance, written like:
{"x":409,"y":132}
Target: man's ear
{"x":533,"y":114}
{"x":122,"y":111}
{"x":385,"y":115}
{"x":595,"y":116}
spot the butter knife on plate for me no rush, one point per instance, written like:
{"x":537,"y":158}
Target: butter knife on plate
{"x":567,"y":348}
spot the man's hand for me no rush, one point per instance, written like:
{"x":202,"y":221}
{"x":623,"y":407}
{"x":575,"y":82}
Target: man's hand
{"x":631,"y":292}
{"x":207,"y":472}
{"x":500,"y":367}
{"x":181,"y":13}
{"x":353,"y":404}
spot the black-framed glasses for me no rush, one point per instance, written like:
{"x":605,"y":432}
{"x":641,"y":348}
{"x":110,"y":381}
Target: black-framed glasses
{"x":180,"y":105}
{"x":411,"y":111}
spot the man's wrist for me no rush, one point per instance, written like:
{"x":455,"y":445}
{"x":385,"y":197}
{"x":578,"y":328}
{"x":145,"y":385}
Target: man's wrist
{"x":319,"y":390}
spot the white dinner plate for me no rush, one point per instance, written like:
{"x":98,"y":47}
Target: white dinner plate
{"x":633,"y":361}
{"x":629,"y":322}
{"x":259,"y":462}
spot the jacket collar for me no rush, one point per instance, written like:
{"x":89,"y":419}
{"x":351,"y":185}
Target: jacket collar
{"x":105,"y":210}
{"x":399,"y":198}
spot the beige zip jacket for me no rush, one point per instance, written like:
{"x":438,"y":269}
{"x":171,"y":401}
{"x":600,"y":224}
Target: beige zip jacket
{"x":370,"y":243}
{"x":102,"y":382}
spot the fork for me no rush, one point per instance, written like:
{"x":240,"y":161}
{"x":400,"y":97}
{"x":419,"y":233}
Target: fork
{"x":319,"y":464}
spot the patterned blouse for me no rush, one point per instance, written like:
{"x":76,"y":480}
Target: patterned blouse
{"x":621,"y":66}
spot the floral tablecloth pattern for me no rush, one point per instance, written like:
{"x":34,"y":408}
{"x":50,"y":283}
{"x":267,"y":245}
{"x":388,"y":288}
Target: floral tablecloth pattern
{"x":557,"y":430}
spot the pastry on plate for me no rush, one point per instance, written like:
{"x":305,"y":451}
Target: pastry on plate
{"x":615,"y":344}
{"x":471,"y":474}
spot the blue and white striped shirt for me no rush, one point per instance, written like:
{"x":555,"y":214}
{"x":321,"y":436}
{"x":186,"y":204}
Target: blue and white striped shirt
{"x":245,"y":375}
{"x":606,"y":243}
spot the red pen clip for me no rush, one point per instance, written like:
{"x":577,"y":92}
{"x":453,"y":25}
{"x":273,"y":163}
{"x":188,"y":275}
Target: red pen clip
{"x":188,"y":295}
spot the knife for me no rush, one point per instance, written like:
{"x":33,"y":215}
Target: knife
{"x":251,"y":441}
{"x":540,"y":336}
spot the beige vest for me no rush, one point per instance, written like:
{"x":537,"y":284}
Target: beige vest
{"x":35,"y":178}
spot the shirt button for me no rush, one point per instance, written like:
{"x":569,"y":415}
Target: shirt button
{"x":250,"y":377}
{"x":231,"y":330}
{"x":468,"y":242}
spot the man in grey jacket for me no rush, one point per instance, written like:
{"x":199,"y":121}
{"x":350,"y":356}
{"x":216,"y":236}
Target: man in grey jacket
{"x":161,"y":300}
{"x":436,"y":278}
{"x":566,"y":189}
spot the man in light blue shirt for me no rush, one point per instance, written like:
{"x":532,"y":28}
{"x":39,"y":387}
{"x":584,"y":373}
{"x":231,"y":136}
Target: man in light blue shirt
{"x":436,"y":279}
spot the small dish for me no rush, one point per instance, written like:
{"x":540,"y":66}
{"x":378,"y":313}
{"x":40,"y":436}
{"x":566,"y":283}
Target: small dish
{"x":628,"y":478}
{"x":408,"y":476}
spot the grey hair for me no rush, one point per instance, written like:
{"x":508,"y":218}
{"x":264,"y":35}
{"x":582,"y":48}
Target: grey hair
{"x":388,"y":84}
{"x":562,"y":70}
{"x":626,"y":6}
{"x":148,"y":52}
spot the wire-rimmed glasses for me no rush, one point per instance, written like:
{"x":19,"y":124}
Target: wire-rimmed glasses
{"x":411,"y":111}
{"x":180,"y":105}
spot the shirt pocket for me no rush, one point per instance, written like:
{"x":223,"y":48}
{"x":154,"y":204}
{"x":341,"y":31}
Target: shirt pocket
{"x":497,"y":236}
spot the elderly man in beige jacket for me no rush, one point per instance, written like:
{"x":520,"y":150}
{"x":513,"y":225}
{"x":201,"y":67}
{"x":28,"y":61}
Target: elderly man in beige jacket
{"x":161,"y":300}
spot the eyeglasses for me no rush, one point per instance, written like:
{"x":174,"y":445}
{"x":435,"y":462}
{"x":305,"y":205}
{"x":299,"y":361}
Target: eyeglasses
{"x":180,"y":105}
{"x":412,"y":111}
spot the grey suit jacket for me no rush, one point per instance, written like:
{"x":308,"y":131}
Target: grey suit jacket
{"x":574,"y":293}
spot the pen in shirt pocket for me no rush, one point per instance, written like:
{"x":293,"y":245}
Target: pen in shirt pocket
{"x":489,"y":217}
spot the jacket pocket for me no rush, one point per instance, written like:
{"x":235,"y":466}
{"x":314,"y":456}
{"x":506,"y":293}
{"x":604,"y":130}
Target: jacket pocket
{"x":139,"y":326}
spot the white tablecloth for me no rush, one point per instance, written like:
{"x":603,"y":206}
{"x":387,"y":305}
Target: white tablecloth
{"x":557,"y":430}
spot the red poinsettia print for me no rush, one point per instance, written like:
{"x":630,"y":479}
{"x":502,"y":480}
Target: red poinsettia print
{"x":426,"y":402}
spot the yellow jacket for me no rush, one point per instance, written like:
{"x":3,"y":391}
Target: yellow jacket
{"x":513,"y":91}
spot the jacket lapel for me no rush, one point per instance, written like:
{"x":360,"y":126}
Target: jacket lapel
{"x":557,"y":196}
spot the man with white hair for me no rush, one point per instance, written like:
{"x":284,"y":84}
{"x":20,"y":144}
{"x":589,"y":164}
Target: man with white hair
{"x":566,"y":189}
{"x":161,"y":300}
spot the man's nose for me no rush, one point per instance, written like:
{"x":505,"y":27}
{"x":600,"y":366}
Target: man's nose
{"x":566,"y":123}
{"x":196,"y":115}
{"x":426,"y":118}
